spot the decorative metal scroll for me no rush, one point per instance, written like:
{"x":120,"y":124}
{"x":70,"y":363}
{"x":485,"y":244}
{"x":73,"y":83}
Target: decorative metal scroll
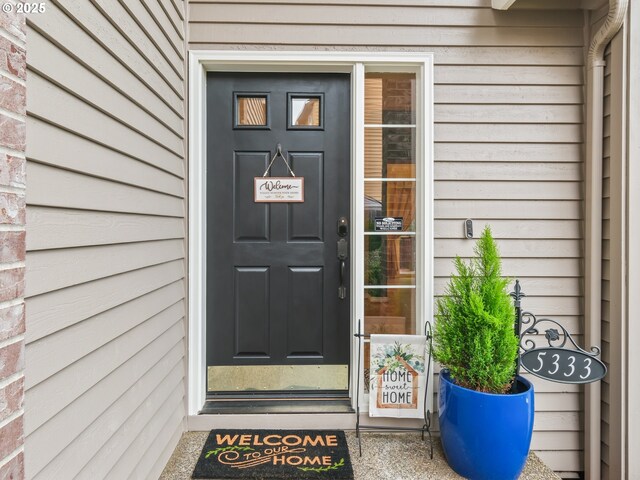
{"x":562,"y":361}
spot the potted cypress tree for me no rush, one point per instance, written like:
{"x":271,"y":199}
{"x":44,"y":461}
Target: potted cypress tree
{"x":485,"y":411}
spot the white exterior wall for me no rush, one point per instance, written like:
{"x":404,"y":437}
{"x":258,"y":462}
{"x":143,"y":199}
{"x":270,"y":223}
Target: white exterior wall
{"x":508,"y":140}
{"x":105,"y":342}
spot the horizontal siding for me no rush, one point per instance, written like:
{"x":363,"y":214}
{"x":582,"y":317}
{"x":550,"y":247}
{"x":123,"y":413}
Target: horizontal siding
{"x":514,"y":228}
{"x":92,"y":405}
{"x":499,"y":209}
{"x":82,"y":83}
{"x":146,"y":343}
{"x":459,"y":113}
{"x":499,"y":94}
{"x":57,"y":310}
{"x":109,"y":63}
{"x":508,"y":139}
{"x":382,"y":36}
{"x":72,"y":113}
{"x":57,"y":269}
{"x":96,"y":331}
{"x":138,"y":52}
{"x":400,"y":15}
{"x":82,"y":192}
{"x":105,"y":351}
{"x":65,"y":228}
{"x":67,"y":150}
{"x":516,"y":153}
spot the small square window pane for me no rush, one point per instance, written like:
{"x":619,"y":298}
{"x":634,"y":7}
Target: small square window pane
{"x":252,"y":111}
{"x":389,"y":152}
{"x":389,"y":98}
{"x":387,"y":311}
{"x":390,"y":310}
{"x":389,"y":260}
{"x":390,"y":199}
{"x":305,"y":111}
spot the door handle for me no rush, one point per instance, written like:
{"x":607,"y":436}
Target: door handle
{"x":343,"y":254}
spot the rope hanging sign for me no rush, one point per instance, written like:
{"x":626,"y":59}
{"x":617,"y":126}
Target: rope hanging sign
{"x":278,"y":189}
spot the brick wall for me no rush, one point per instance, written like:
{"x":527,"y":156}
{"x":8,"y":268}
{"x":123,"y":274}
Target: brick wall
{"x":12,"y":239}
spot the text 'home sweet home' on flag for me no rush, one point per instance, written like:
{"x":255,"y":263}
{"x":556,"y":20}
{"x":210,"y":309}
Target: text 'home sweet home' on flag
{"x":397,"y":381}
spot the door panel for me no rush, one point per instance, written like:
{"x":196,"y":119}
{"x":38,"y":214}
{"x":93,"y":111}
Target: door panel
{"x":252,"y":317}
{"x":305,"y":312}
{"x":272,"y":268}
{"x":306,"y":220}
{"x":250,"y":220}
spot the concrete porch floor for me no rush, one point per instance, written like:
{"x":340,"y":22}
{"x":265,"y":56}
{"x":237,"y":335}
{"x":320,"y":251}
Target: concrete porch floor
{"x":410,"y":459}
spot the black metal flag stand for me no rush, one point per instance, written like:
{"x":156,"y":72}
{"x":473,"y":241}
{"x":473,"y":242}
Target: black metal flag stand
{"x":426,"y":428}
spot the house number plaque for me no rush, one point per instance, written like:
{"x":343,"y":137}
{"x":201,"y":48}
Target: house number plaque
{"x":562,"y":360}
{"x":563,"y":365}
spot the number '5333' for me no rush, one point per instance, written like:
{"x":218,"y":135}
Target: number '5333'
{"x":563,"y":365}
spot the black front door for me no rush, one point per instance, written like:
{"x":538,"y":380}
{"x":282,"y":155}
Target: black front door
{"x":274,"y":312}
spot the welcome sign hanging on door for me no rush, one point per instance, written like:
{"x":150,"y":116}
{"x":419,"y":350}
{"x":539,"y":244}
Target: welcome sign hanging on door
{"x":278,"y":189}
{"x":398,"y":381}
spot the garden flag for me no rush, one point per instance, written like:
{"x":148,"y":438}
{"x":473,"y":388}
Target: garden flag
{"x":397,"y":376}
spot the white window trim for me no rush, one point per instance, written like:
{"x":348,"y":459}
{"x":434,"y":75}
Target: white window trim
{"x":352,"y":62}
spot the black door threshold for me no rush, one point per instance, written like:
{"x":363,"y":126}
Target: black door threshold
{"x":247,"y":406}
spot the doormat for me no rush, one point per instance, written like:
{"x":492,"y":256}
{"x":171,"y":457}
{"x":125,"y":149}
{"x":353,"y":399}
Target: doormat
{"x":275,"y":455}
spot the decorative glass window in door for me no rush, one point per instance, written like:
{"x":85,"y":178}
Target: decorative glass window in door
{"x":390,"y":205}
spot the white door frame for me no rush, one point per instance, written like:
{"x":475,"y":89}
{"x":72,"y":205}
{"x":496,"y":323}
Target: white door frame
{"x":354,"y":63}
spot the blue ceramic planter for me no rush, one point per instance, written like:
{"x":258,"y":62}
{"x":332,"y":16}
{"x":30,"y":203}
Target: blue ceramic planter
{"x":485,"y":436}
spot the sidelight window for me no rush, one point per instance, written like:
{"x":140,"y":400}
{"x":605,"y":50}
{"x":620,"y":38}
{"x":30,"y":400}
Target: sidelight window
{"x":390,"y":208}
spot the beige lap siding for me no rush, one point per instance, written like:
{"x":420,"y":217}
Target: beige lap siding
{"x":508,"y":139}
{"x":105,"y":265}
